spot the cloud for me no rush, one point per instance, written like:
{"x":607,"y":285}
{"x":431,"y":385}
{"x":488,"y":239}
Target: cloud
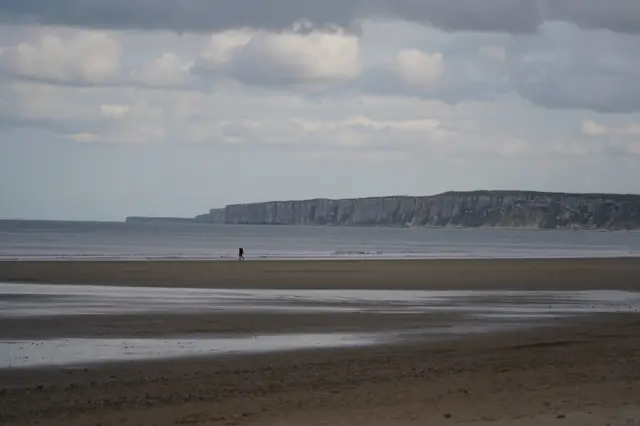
{"x":232,"y":116}
{"x":418,"y":69}
{"x":494,"y":53}
{"x":434,"y":75}
{"x":363,"y":134}
{"x":316,"y":58}
{"x":618,"y":140}
{"x":513,"y":16}
{"x":85,"y":58}
{"x":84,"y":137}
{"x":578,"y":83}
{"x":167,"y":70}
{"x":89,"y":58}
{"x":51,"y":106}
{"x":632,"y":131}
{"x":617,"y":15}
{"x":568,"y":68}
{"x":274,"y":73}
{"x":563,"y":67}
{"x":77,"y":111}
{"x":114,"y":110}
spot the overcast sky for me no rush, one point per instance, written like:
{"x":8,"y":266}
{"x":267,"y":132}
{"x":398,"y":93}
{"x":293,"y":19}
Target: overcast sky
{"x":111,"y":108}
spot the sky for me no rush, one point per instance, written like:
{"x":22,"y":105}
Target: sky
{"x":110,"y":108}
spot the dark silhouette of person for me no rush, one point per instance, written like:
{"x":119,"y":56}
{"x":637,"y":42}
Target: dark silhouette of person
{"x":240,"y":253}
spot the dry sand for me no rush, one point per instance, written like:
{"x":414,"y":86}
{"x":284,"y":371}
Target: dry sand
{"x":586,"y":372}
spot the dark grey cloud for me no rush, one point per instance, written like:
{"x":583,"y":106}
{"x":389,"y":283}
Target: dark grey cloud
{"x":567,"y":69}
{"x":515,"y":16}
{"x":618,"y":15}
{"x":578,"y":85}
{"x":176,"y":15}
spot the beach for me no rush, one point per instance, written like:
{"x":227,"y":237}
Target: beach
{"x":570,"y":358}
{"x":577,"y":273}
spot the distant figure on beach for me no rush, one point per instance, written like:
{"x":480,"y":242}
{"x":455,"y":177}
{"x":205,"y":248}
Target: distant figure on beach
{"x":240,"y":253}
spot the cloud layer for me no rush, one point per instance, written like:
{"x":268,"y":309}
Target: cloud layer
{"x":514,"y":16}
{"x":561,"y":68}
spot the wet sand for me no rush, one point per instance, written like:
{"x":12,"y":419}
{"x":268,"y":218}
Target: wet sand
{"x":53,"y":325}
{"x":618,"y":273}
{"x":573,"y":369}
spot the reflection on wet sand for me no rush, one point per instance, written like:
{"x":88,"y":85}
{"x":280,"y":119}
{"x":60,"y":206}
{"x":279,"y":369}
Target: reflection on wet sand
{"x":23,"y":300}
{"x":467,"y":312}
{"x":15,"y":354}
{"x":36,"y":353}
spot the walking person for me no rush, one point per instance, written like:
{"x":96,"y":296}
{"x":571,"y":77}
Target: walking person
{"x":240,"y":253}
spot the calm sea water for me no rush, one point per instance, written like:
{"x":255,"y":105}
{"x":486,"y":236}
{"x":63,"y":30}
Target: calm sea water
{"x":113,"y":240}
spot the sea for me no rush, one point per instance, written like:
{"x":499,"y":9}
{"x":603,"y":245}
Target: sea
{"x":51,"y":240}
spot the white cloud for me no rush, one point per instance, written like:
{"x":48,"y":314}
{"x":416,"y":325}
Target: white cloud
{"x":369,"y":124}
{"x":136,"y":133}
{"x":114,"y":110}
{"x":436,"y":75}
{"x":317,"y":58}
{"x":223,"y":47}
{"x":167,"y":70}
{"x":589,"y":128}
{"x":85,"y":58}
{"x":419,"y":69}
{"x":495,"y":53}
{"x":365,"y":132}
{"x":53,"y":105}
{"x":84,"y":137}
{"x":615,"y":139}
{"x":513,"y":148}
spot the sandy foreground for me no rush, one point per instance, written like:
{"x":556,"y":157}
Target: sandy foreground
{"x":580,"y":372}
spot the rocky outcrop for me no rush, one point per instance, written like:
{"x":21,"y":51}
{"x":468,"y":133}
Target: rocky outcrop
{"x":147,"y":219}
{"x":214,"y":216}
{"x":509,"y":209}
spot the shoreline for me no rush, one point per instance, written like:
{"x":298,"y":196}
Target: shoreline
{"x":310,"y":258}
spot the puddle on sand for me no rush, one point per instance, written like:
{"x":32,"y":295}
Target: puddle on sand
{"x":77,"y":351}
{"x":23,"y":353}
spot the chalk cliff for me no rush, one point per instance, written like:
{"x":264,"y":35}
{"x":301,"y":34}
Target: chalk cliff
{"x":512,"y":209}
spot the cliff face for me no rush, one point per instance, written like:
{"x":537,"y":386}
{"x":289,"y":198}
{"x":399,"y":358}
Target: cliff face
{"x":513,"y":209}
